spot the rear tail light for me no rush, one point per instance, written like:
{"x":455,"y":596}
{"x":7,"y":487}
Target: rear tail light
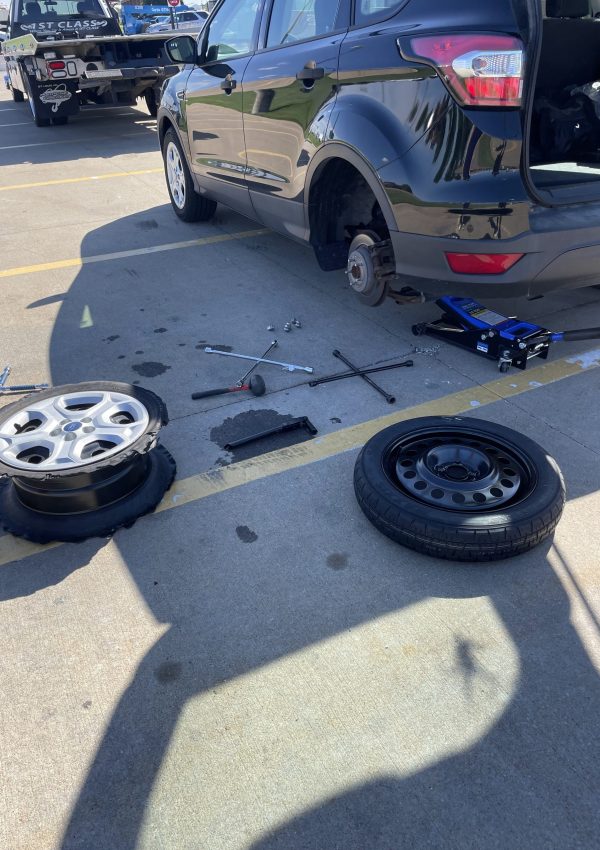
{"x":480,"y":70}
{"x":56,"y":65}
{"x":482,"y":263}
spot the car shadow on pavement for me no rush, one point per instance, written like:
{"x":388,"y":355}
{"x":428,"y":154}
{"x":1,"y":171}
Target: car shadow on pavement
{"x":530,"y":782}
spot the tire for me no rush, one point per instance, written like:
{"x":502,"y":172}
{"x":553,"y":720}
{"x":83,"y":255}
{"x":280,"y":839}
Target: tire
{"x":17,"y":95}
{"x":39,"y":122}
{"x":60,"y":122}
{"x":186,"y":202}
{"x":81,"y":460}
{"x":151,"y":104}
{"x":402,"y":471}
{"x":43,"y":528}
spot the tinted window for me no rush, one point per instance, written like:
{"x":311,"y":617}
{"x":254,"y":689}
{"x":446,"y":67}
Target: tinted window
{"x":232,"y":29}
{"x":294,"y":20}
{"x":61,"y":8}
{"x":371,"y":11}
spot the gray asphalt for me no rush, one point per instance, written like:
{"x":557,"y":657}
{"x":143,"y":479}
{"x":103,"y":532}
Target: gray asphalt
{"x":261,"y":668}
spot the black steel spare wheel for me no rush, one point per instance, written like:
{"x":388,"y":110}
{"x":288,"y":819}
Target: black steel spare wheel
{"x":81,"y":461}
{"x":460,"y":489}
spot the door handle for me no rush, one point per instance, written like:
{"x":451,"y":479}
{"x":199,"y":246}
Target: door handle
{"x":310,"y":74}
{"x":228,"y":84}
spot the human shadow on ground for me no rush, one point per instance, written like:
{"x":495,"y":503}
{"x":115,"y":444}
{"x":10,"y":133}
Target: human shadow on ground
{"x":531,"y":782}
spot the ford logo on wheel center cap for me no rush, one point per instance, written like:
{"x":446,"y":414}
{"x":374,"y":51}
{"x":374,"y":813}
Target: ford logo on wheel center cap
{"x":72,"y":426}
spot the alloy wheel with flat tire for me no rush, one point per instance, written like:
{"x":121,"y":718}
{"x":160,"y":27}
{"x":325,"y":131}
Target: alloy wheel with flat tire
{"x":81,"y":461}
{"x":459,"y":489}
{"x":187,"y":203}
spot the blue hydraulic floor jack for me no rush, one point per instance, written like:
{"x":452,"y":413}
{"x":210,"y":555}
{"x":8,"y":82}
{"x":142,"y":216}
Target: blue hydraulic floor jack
{"x":507,"y":340}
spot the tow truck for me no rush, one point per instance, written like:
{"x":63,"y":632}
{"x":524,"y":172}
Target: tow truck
{"x":61,"y":54}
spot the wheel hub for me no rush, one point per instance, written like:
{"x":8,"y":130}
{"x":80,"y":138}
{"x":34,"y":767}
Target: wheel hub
{"x":459,"y":473}
{"x":361,"y":273}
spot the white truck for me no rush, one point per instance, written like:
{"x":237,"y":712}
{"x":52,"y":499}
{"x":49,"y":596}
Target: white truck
{"x":63,"y":53}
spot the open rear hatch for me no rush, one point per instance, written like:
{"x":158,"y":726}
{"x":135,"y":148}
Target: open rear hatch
{"x":564,"y":142}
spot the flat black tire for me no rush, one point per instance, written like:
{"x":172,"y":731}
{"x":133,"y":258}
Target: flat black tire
{"x":17,"y":95}
{"x":47,"y":528}
{"x":187,"y":204}
{"x":524,"y":517}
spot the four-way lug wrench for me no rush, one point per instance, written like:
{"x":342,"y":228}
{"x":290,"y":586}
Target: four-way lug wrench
{"x":289,"y":367}
{"x":387,"y":396}
{"x":340,"y":376}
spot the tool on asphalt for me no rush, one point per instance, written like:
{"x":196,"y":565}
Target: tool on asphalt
{"x":507,"y":340}
{"x":289,"y":367}
{"x":252,"y":368}
{"x":256,"y":386}
{"x":360,"y":373}
{"x":341,"y":375}
{"x":18,"y":388}
{"x":302,"y":422}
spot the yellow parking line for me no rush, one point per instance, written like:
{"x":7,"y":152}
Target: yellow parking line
{"x":110,"y":176}
{"x":215,"y":481}
{"x":76,"y":262}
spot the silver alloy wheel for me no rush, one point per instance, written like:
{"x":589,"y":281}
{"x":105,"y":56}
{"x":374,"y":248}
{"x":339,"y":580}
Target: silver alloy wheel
{"x":175,"y":175}
{"x":71,"y":430}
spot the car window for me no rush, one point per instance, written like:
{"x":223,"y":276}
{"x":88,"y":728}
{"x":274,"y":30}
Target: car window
{"x":294,"y":20}
{"x":231,"y":30}
{"x":371,"y":11}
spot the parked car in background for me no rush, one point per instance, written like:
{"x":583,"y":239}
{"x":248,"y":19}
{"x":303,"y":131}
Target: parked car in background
{"x":190,"y":21}
{"x":451,"y":148}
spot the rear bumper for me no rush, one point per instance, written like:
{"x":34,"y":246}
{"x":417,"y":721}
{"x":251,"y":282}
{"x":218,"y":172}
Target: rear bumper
{"x":561,"y":251}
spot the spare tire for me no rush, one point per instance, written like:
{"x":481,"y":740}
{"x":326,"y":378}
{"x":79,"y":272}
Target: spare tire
{"x":459,"y":489}
{"x":81,"y":460}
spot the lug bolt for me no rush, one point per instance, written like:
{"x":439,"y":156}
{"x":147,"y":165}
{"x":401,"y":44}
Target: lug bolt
{"x":287,"y":327}
{"x":271,"y":328}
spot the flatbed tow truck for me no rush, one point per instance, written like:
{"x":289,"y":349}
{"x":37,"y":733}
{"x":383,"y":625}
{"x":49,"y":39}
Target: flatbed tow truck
{"x":61,"y":54}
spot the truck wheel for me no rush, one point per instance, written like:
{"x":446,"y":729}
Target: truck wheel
{"x":151,"y":104}
{"x":459,"y":489}
{"x":81,"y":461}
{"x":187,"y":203}
{"x":17,"y":96}
{"x":39,"y":122}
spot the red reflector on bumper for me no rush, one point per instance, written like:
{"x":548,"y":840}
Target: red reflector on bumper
{"x":482,"y":263}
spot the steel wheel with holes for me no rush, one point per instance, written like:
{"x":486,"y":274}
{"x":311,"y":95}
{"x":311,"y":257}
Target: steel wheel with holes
{"x":81,"y":460}
{"x":187,"y":203}
{"x":460,"y":489}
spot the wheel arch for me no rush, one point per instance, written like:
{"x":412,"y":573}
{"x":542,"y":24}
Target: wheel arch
{"x":327,"y":167}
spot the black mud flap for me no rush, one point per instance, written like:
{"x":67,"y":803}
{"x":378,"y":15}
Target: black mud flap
{"x":56,"y":99}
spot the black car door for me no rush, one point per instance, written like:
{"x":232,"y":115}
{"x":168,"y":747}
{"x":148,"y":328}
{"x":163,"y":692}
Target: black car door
{"x":288,"y":86}
{"x":214,"y":101}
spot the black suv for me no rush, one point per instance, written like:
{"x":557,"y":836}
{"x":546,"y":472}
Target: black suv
{"x":449,"y":147}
